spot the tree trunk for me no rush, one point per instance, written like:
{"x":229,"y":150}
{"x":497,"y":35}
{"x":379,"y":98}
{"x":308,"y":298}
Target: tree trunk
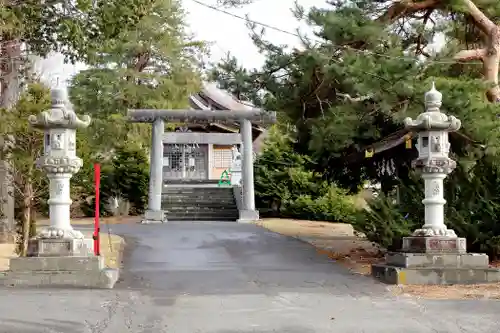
{"x":489,"y":55}
{"x":26,"y":216}
{"x":10,"y":65}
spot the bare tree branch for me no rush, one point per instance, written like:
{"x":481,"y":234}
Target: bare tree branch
{"x":468,"y":55}
{"x":481,"y":20}
{"x":405,"y":8}
{"x":348,"y":97}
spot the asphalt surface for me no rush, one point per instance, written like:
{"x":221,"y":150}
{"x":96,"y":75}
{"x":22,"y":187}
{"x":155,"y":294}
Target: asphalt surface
{"x":231,"y":278}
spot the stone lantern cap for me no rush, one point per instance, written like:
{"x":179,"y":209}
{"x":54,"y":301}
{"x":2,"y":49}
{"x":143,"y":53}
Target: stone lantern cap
{"x":433,"y":118}
{"x":60,"y":115}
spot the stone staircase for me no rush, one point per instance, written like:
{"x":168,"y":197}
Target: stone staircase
{"x":199,"y":203}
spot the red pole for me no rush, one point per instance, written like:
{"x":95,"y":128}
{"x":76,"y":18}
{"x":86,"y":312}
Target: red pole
{"x":97,"y":179}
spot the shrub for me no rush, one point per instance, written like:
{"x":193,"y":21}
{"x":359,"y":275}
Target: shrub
{"x":130,"y":178}
{"x":127,"y":177}
{"x":472,"y":209}
{"x":334,"y":206}
{"x":383,"y":223}
{"x":285,"y":186}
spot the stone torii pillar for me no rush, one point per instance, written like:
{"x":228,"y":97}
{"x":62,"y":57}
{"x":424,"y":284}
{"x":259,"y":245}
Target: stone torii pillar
{"x":248,"y":213}
{"x":154,"y":213}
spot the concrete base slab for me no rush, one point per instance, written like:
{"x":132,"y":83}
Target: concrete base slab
{"x":102,"y":279}
{"x":434,"y":276}
{"x":71,"y":271}
{"x":435,"y":260}
{"x":154,"y":216}
{"x":248,"y":216}
{"x":56,"y":247}
{"x":434,"y":244}
{"x":440,"y":260}
{"x":25,"y":264}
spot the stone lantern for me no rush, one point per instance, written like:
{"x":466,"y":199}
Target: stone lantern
{"x":434,"y":254}
{"x":60,"y":163}
{"x":59,"y":255}
{"x":433,"y":147}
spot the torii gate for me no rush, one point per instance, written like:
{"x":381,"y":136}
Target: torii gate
{"x":154,"y":213}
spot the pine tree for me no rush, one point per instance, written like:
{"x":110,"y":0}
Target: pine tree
{"x":354,"y":81}
{"x":74,"y":28}
{"x":154,"y":65}
{"x":366,"y":68}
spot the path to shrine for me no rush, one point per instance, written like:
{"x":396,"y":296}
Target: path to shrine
{"x":234,"y":278}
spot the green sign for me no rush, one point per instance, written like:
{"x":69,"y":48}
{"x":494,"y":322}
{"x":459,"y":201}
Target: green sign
{"x":225,"y":180}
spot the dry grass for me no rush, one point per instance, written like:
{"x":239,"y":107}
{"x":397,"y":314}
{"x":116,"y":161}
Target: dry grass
{"x":7,"y":251}
{"x":90,"y":220}
{"x":357,"y":255}
{"x":302,"y":228}
{"x":112,"y":254}
{"x":335,"y":240}
{"x":111,"y":248}
{"x":474,"y":291}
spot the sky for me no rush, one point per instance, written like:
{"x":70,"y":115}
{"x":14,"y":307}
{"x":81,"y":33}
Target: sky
{"x":226,"y":34}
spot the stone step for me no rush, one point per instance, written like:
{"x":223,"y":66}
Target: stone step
{"x":203,"y":195}
{"x":203,"y":213}
{"x":202,"y":218}
{"x":198,"y":190}
{"x":434,"y":276}
{"x":199,"y":204}
{"x":197,"y":195}
{"x":200,"y":207}
{"x":199,"y":211}
{"x":206,"y":212}
{"x":229,"y":212}
{"x":103,"y":279}
{"x":25,"y":264}
{"x":194,"y":205}
{"x":440,"y":260}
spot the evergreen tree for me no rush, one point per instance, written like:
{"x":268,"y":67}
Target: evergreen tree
{"x":365,"y":69}
{"x":21,"y":148}
{"x":354,"y":81}
{"x":153,"y":65}
{"x":75,"y":28}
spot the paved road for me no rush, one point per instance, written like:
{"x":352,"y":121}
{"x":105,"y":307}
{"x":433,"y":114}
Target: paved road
{"x":230,"y":278}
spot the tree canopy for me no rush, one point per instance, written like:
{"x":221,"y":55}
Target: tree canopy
{"x":356,"y":78}
{"x":75,"y":28}
{"x":153,"y":65}
{"x":344,"y":93}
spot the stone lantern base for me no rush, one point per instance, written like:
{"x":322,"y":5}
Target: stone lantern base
{"x":435,"y":260}
{"x":56,"y":262}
